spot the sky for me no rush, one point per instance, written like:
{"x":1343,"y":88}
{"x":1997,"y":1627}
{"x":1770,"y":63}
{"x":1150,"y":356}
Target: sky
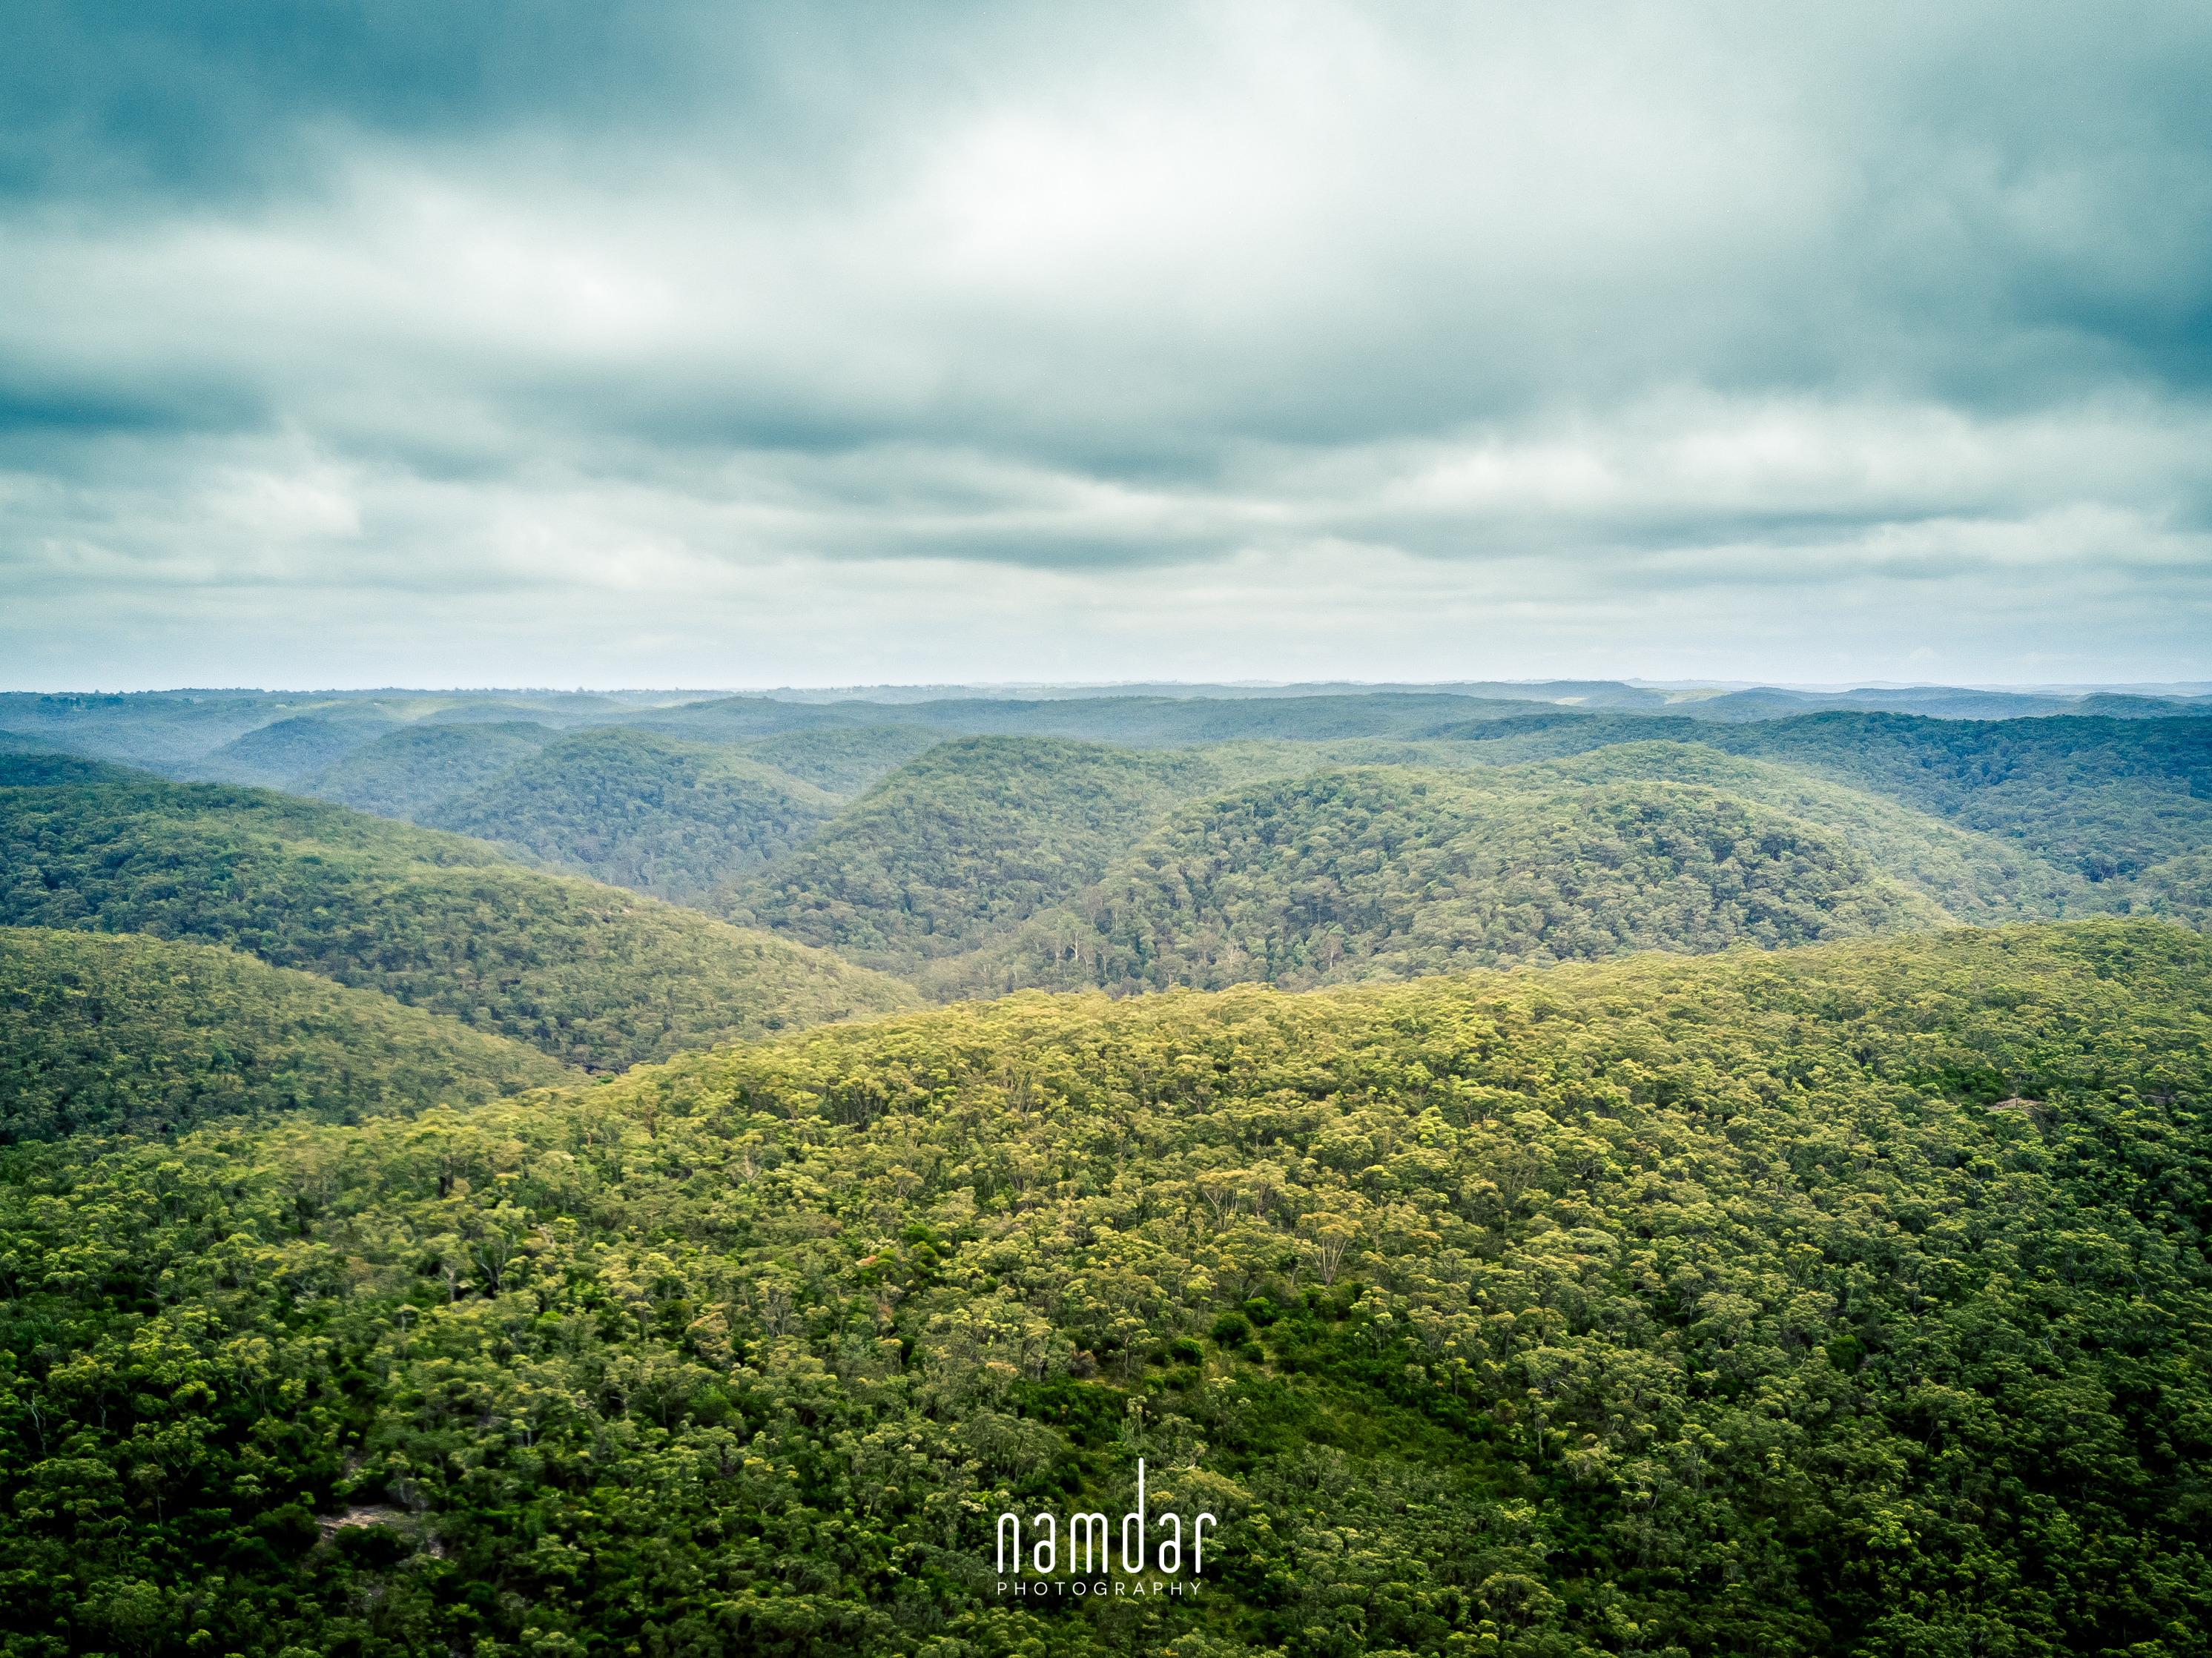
{"x":587,"y":342}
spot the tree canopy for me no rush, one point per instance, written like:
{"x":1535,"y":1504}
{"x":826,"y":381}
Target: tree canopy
{"x":1852,"y":1298}
{"x":108,"y":1034}
{"x":592,"y":974}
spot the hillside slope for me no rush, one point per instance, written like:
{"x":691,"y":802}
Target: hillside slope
{"x":1348,"y":875}
{"x":2100,"y":798}
{"x":640,"y":810}
{"x":2179,"y":890}
{"x":119,"y":1034}
{"x":965,"y":841}
{"x":843,"y":761}
{"x":1975,"y":877}
{"x":1844,"y":1300}
{"x":589,"y":973}
{"x":273,"y":755}
{"x":2104,"y":798}
{"x":413,"y":770}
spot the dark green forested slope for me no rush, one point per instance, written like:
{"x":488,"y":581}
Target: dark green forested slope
{"x":930,"y":875}
{"x":964,"y":840}
{"x":2107,"y":798}
{"x":411,"y":771}
{"x":1346,"y":876}
{"x":1849,"y":1300}
{"x":589,"y":973}
{"x":1975,"y":877}
{"x":2099,"y":800}
{"x":641,"y":809}
{"x":102,"y":1033}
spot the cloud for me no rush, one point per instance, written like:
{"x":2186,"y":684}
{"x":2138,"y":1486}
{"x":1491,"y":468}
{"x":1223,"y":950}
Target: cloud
{"x":421,"y":327}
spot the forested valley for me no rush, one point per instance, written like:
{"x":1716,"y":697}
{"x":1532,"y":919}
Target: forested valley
{"x":1557,"y":1170}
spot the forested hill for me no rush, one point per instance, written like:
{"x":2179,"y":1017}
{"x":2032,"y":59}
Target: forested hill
{"x":2109,"y":798}
{"x":1975,"y":875}
{"x":592,"y":974}
{"x":1993,"y":818}
{"x":1383,"y":874}
{"x":2103,"y":799}
{"x":964,"y":840}
{"x":418,"y":768}
{"x":988,"y":863}
{"x":652,"y":813}
{"x":1850,"y":1299}
{"x":112,"y":1034}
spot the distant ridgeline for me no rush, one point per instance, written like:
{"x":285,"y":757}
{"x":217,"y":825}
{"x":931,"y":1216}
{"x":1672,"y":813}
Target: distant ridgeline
{"x":1845,"y":1299}
{"x":971,"y":844}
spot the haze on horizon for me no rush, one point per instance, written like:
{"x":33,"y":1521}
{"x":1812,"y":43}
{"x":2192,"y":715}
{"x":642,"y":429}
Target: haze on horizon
{"x":846,"y":345}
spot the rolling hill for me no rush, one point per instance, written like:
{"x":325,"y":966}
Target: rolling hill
{"x":104,"y":1033}
{"x":274,"y":756}
{"x":2104,"y":798}
{"x":416,"y":768}
{"x":931,"y":875}
{"x":640,"y":810}
{"x":962,"y":843}
{"x":2097,"y":800}
{"x":1974,"y":876}
{"x":1388,"y":874}
{"x":842,"y":760}
{"x":1843,"y":1300}
{"x":589,"y":974}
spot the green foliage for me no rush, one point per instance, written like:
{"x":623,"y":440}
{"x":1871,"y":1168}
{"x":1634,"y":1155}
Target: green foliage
{"x":641,"y":809}
{"x":411,"y":771}
{"x":1975,"y":876}
{"x":959,"y":844}
{"x":274,"y":755}
{"x":101,"y":1033}
{"x":2099,"y":800}
{"x":591,"y":975}
{"x":2107,"y":798}
{"x":1848,"y":1299}
{"x":842,"y":761}
{"x":2181,"y":889}
{"x":988,"y":865}
{"x":1349,"y":876}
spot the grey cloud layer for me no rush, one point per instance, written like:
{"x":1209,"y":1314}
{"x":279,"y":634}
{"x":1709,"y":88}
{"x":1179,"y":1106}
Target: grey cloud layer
{"x":1707,"y":302}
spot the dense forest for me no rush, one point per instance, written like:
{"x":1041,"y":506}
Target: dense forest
{"x":973,"y":835}
{"x":109,"y":1034}
{"x":417,"y":769}
{"x":1849,"y":1298}
{"x":652,"y":813}
{"x":1347,"y":876}
{"x":1560,"y":1171}
{"x":594,"y":975}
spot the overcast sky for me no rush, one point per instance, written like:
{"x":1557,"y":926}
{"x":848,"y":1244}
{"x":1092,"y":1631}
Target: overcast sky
{"x":424,"y":343}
